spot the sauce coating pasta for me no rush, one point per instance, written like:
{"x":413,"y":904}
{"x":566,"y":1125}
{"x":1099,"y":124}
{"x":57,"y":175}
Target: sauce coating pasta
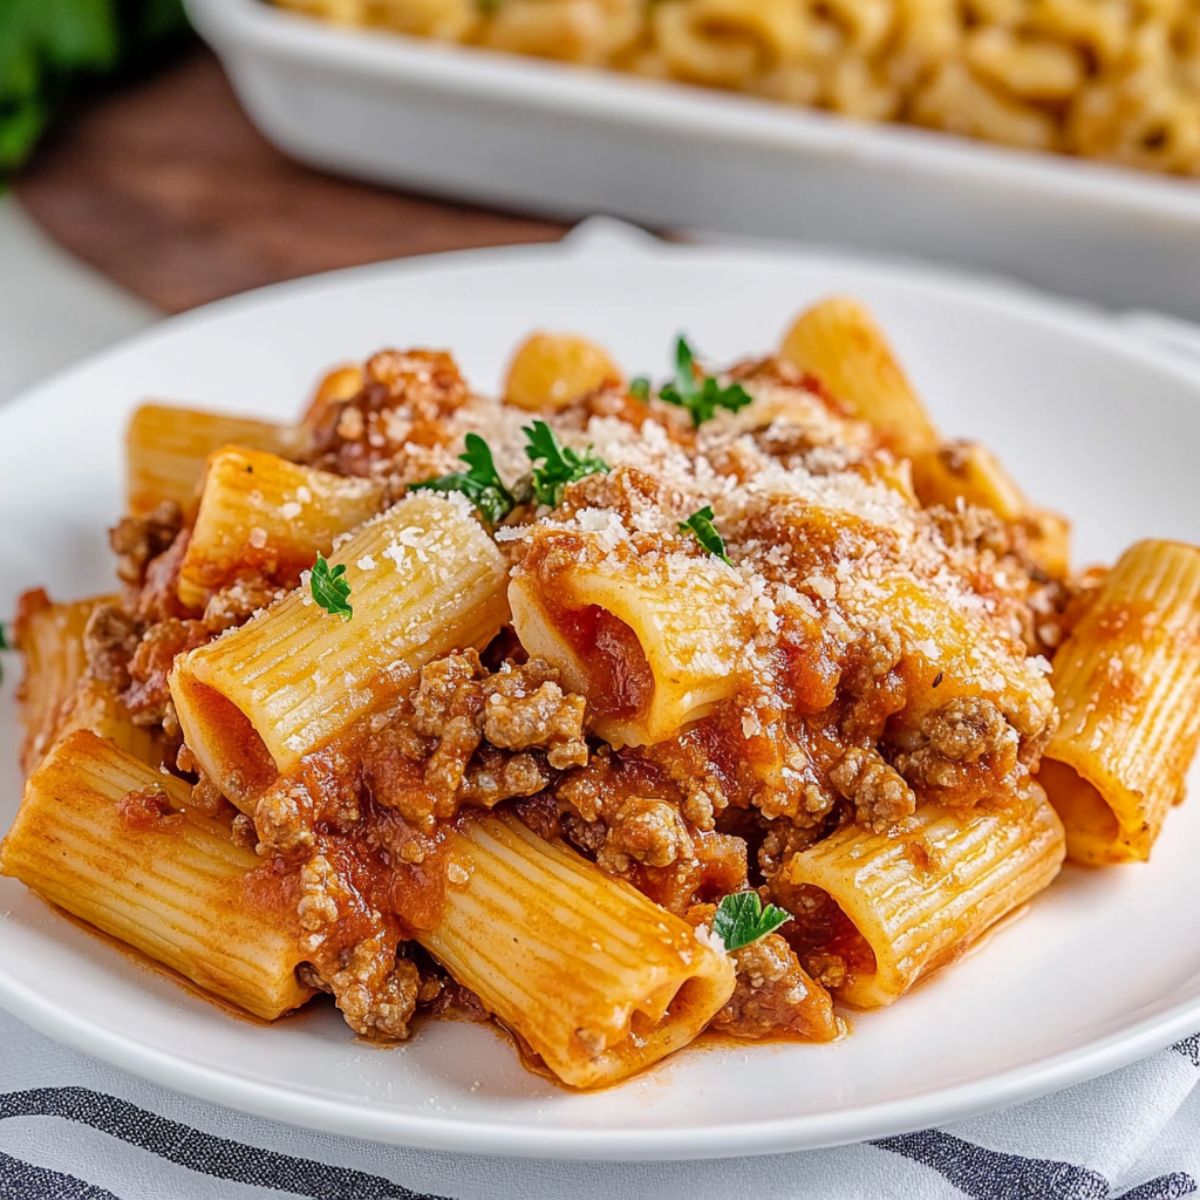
{"x":719,"y":704}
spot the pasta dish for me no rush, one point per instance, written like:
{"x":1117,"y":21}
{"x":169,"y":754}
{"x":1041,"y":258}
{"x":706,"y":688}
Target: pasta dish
{"x":614,"y":710}
{"x":1116,"y":80}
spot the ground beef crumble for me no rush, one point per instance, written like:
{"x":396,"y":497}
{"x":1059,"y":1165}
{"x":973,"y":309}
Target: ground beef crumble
{"x":774,"y":995}
{"x":965,"y":752}
{"x":376,"y":991}
{"x":443,"y":748}
{"x":109,"y":641}
{"x":137,"y":540}
{"x":880,"y":796}
{"x":405,"y":400}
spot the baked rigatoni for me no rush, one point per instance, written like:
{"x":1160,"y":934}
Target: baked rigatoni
{"x":113,"y":841}
{"x":167,"y":449}
{"x":599,"y":981}
{"x":708,"y":703}
{"x":425,"y":579}
{"x":1126,"y":684}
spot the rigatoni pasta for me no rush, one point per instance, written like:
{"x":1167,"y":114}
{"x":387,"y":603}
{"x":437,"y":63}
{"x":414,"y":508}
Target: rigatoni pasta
{"x":167,"y":449}
{"x":112,"y":841}
{"x":839,"y":342}
{"x":262,"y":515}
{"x":252,"y":704}
{"x":655,"y":649}
{"x":597,"y":979}
{"x":618,"y":709}
{"x":51,"y":638}
{"x":551,"y":371}
{"x":898,"y":907}
{"x":1126,"y":682}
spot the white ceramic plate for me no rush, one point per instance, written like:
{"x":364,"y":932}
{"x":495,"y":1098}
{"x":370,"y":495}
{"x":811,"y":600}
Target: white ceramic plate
{"x":1104,"y":968}
{"x":558,"y":139}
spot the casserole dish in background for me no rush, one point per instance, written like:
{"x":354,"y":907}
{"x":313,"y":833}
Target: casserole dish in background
{"x":557,"y":139}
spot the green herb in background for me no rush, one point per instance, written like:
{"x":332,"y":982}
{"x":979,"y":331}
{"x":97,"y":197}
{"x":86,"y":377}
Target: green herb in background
{"x":49,"y":48}
{"x":741,"y":919}
{"x":700,"y":395}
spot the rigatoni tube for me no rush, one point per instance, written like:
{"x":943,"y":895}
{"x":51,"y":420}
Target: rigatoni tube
{"x":916,"y":900}
{"x":424,"y":578}
{"x":51,"y":638}
{"x":167,"y":447}
{"x":261,"y":513}
{"x":653,"y":648}
{"x":1127,"y":685}
{"x":839,"y":342}
{"x":596,"y":978}
{"x":554,"y":370}
{"x":106,"y":837}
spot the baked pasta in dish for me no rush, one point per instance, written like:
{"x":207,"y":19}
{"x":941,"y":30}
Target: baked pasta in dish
{"x":1117,"y":80}
{"x":613,"y":711}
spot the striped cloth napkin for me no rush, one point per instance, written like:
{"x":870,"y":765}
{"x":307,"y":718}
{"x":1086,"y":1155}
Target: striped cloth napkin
{"x":73,"y":1129}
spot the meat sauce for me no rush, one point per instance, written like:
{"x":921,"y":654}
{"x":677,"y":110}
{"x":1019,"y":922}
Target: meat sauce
{"x":354,"y":840}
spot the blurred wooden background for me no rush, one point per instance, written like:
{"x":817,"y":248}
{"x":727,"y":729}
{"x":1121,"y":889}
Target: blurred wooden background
{"x":166,"y":188}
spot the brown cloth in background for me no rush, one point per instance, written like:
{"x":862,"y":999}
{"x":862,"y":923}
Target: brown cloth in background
{"x":165,"y":187}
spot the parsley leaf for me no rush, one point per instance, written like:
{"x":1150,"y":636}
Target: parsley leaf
{"x":49,"y":49}
{"x":701,"y":524}
{"x":639,"y":387}
{"x":741,"y":919}
{"x":5,"y":641}
{"x":560,"y":464}
{"x":700,"y":396}
{"x":331,"y":588}
{"x":481,"y":484}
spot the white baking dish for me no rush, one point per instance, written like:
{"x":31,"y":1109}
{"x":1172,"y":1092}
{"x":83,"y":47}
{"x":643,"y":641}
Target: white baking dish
{"x":555,"y":139}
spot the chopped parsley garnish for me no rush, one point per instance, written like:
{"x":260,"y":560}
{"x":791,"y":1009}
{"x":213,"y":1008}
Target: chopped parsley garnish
{"x":5,"y":644}
{"x":481,"y":484}
{"x":560,"y":465}
{"x":702,"y":395}
{"x":701,"y":524}
{"x":331,"y":588}
{"x":741,"y":919}
{"x":639,"y":387}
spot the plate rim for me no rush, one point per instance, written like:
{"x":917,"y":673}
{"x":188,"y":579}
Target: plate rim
{"x":780,"y":1134}
{"x":693,"y":1143}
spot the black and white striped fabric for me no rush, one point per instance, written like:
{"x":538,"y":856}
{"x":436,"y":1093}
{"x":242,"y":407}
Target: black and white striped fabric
{"x":72,"y":1129}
